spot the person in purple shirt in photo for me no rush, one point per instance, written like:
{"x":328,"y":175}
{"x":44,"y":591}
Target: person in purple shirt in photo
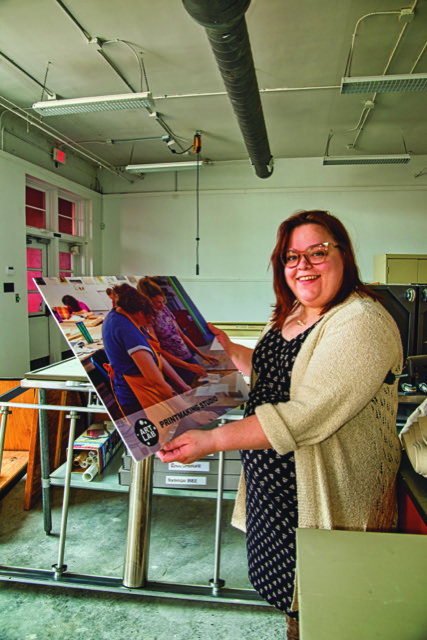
{"x":176,"y":347}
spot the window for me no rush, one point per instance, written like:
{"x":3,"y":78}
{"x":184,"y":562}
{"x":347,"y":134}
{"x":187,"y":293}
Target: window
{"x":65,"y":264}
{"x":35,"y":208}
{"x":36,"y":266}
{"x":68,"y":220}
{"x":58,"y":229}
{"x":70,"y":217}
{"x":66,"y":216}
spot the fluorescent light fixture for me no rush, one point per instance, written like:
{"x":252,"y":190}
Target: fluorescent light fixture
{"x":95,"y":103}
{"x":162,"y":166}
{"x":382,"y":84}
{"x":348,"y":160}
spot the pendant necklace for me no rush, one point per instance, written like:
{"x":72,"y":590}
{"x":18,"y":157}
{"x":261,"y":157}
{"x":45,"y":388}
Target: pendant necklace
{"x":301,"y":323}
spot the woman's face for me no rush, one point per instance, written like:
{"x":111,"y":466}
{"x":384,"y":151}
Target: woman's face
{"x":142,"y":319}
{"x":314,"y":285}
{"x":158,"y":302}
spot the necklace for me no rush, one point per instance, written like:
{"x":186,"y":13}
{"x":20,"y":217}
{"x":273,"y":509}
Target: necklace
{"x":301,"y":323}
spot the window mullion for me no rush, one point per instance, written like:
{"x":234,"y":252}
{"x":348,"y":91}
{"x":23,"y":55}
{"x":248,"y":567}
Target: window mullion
{"x":52,"y":209}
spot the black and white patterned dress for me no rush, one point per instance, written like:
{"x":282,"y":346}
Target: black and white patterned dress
{"x":271,"y":492}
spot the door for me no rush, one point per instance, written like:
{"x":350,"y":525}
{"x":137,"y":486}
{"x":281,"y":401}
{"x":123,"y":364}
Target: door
{"x":37,"y":266}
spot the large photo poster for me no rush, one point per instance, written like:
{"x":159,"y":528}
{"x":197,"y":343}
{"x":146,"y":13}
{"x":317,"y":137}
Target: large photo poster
{"x":148,"y":351}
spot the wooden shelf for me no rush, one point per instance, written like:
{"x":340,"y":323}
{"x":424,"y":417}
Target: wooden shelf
{"x":14,"y":465}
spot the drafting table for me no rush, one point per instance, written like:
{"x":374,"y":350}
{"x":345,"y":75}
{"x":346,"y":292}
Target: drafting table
{"x":70,"y":375}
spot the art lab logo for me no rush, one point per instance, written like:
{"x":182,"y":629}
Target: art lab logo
{"x":146,"y":432}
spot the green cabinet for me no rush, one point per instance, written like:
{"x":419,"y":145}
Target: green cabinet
{"x":400,"y":268}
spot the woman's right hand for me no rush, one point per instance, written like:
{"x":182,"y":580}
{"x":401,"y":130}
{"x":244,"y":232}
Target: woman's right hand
{"x":239,"y":354}
{"x":187,"y":448}
{"x":221,"y":336}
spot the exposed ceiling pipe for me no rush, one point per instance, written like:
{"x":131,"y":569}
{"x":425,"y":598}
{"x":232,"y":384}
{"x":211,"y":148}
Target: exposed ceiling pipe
{"x":366,"y":113}
{"x":99,"y":44}
{"x":225,"y":24}
{"x":11,"y":108}
{"x":215,"y":94}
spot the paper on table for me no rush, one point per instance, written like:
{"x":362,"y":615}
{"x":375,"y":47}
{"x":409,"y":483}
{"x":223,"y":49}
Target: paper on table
{"x":207,"y":389}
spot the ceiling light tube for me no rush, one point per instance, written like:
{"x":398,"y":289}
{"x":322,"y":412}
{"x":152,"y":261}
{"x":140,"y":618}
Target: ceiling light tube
{"x":382,"y":84}
{"x":125,"y":140}
{"x":162,"y":166}
{"x":350,"y":160}
{"x":95,"y":103}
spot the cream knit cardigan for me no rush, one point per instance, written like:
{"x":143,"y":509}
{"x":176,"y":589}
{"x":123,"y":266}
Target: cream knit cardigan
{"x":341,"y":421}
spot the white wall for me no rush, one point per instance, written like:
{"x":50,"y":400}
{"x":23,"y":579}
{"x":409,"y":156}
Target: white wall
{"x":14,"y":332}
{"x":153,"y":232}
{"x":14,"y":338}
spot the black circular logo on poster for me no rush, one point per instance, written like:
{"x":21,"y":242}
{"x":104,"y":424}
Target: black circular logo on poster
{"x":146,"y":432}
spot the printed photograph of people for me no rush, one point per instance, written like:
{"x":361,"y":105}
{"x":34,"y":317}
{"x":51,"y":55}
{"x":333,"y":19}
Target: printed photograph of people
{"x":150,"y":355}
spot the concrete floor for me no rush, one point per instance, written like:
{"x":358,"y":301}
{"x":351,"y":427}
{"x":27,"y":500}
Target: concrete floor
{"x":181,"y":550}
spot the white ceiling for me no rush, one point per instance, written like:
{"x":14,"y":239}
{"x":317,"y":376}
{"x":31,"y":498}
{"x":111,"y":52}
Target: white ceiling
{"x":300,"y":51}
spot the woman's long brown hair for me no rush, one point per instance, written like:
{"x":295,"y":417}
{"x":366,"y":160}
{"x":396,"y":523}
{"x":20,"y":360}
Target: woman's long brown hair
{"x":285,"y":299}
{"x":149,"y":288}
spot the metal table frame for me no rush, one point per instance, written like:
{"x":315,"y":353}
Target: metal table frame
{"x":135,"y":573}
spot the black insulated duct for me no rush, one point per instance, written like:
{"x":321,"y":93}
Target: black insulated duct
{"x":225,"y":24}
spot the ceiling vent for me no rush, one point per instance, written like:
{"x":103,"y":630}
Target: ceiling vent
{"x":227,"y":32}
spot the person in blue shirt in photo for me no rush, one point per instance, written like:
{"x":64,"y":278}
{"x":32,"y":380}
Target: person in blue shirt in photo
{"x":136,"y":365}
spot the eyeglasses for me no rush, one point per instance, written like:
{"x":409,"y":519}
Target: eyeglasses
{"x":315,"y":254}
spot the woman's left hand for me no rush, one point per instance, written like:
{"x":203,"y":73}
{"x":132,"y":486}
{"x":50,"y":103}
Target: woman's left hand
{"x":210,"y":359}
{"x":187,"y":448}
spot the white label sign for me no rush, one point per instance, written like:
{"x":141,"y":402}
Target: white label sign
{"x":185,"y":480}
{"x":194,"y":466}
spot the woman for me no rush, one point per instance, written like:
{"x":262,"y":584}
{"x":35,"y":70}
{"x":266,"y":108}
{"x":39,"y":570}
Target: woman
{"x":176,"y":347}
{"x":136,"y":366}
{"x":319,"y":439}
{"x":75,"y":307}
{"x":113,"y":296}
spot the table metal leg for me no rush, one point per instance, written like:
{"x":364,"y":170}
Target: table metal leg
{"x":216,"y":582}
{"x":139,"y":524}
{"x":4,"y":411}
{"x":60,"y":567}
{"x":44,"y":463}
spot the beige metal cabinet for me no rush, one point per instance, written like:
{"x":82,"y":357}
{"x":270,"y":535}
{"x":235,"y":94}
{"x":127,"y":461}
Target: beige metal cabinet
{"x":400,"y":268}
